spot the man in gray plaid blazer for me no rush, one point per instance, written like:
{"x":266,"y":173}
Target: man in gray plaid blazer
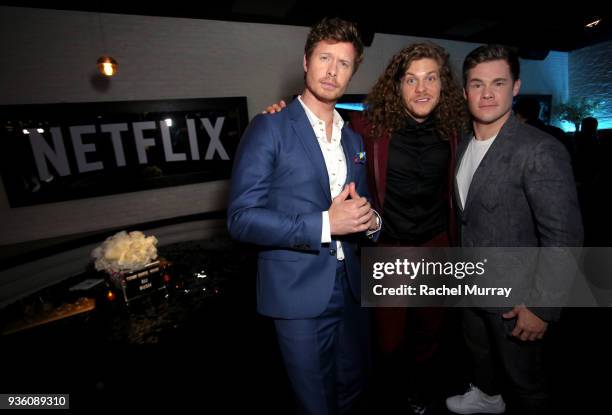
{"x":514,"y":188}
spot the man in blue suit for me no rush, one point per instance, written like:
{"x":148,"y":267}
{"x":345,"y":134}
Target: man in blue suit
{"x":299,"y":191}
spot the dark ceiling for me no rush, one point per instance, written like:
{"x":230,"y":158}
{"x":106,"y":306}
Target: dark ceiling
{"x":508,"y":23}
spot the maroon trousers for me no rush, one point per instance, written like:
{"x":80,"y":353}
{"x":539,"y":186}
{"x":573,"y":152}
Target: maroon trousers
{"x":421,"y":326}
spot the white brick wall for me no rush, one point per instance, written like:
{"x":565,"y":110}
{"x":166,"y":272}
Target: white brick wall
{"x":84,"y":215}
{"x":49,"y":56}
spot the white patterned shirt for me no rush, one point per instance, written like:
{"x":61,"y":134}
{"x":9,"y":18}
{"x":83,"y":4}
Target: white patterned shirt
{"x":335,"y":162}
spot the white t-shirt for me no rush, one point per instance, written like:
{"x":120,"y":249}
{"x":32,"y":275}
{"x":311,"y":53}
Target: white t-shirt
{"x":472,"y":157}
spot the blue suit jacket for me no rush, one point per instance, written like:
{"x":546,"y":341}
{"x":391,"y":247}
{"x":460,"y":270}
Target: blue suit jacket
{"x":279,"y":190}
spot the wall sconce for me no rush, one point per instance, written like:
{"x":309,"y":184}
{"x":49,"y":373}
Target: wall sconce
{"x":107,"y":65}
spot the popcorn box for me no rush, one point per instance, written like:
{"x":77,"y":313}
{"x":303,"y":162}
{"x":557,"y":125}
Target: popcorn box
{"x":147,"y":280}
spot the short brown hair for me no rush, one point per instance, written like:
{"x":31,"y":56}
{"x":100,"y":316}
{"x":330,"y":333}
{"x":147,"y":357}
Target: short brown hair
{"x":336,"y":30}
{"x":488,"y":53}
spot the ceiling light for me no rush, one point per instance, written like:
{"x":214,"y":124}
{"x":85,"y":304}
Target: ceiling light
{"x":593,"y":24}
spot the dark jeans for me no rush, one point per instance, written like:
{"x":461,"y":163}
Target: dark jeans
{"x":495,"y":351}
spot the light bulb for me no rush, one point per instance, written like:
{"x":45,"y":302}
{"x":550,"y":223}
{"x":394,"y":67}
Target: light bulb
{"x":107,"y":65}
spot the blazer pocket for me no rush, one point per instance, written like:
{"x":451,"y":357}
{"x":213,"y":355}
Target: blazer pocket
{"x":489,"y":198}
{"x":489,"y":205}
{"x":508,"y":325}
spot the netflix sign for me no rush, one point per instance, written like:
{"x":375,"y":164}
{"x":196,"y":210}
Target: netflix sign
{"x":57,"y":152}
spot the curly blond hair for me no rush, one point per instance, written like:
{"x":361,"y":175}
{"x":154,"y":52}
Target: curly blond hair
{"x":386,"y":110}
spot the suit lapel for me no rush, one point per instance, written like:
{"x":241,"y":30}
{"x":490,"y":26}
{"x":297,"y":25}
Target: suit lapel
{"x":492,"y":161}
{"x":304,"y":132}
{"x":465,"y":140}
{"x":349,"y":153}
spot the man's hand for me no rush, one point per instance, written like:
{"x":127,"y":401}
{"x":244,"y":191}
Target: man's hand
{"x":352,"y":215}
{"x":373,"y":223}
{"x":278,"y":107}
{"x":528,"y":325}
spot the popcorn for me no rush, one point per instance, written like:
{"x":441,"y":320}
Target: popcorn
{"x":125,"y":252}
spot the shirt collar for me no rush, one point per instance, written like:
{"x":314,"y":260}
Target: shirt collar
{"x":484,"y":142}
{"x":314,"y":120}
{"x":412,"y":127}
{"x":428,"y":122}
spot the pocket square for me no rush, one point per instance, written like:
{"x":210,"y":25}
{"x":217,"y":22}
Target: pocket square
{"x":360,"y":158}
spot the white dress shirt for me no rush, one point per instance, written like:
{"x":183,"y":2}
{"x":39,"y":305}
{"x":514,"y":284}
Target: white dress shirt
{"x":335,"y":162}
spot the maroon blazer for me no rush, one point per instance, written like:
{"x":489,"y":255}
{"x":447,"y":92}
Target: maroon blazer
{"x":377,"y":155}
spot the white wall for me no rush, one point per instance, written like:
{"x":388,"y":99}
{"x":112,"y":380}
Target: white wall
{"x":49,"y":56}
{"x":549,"y":76}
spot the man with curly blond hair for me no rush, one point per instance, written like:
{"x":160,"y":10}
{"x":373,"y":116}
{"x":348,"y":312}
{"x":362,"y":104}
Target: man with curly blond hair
{"x":415,"y":114}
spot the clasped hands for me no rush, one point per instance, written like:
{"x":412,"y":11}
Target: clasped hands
{"x":351,"y":213}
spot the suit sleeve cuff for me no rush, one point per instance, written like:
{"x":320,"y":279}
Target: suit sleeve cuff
{"x":325,"y":229}
{"x":378,"y":224}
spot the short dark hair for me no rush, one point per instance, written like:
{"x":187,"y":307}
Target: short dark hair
{"x":489,"y":53}
{"x":336,"y":30}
